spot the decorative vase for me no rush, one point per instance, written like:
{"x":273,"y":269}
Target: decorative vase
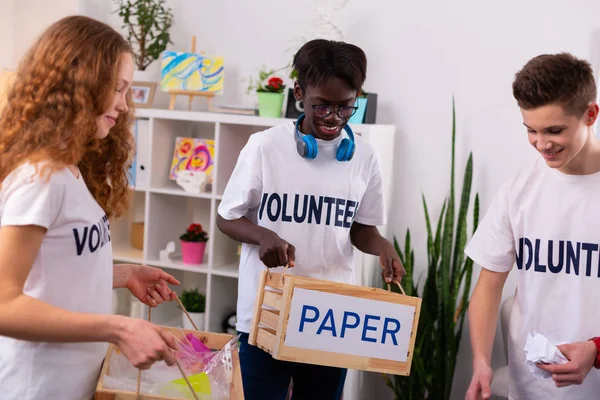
{"x":193,"y":252}
{"x":270,"y":104}
{"x":144,"y":76}
{"x":198,"y":319}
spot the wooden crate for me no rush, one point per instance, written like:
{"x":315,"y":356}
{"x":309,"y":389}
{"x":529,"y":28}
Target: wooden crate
{"x":214,"y":341}
{"x":320,"y":322}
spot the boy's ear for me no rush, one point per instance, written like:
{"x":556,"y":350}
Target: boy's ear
{"x":592,"y":114}
{"x":297,"y":91}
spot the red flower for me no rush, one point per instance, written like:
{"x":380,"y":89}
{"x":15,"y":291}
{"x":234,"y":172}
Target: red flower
{"x":275,"y":81}
{"x":195,"y":228}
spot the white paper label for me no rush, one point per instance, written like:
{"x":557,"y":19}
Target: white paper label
{"x":349,"y":325}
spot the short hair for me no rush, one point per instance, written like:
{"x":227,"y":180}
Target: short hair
{"x":555,"y":79}
{"x":319,"y":60}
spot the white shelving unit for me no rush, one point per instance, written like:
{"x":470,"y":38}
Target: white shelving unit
{"x":166,"y":209}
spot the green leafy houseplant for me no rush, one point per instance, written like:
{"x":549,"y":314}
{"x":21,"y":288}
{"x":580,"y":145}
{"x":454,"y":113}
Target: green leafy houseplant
{"x":147,"y":23}
{"x":445,"y":295}
{"x":194,"y":233}
{"x":193,"y":301}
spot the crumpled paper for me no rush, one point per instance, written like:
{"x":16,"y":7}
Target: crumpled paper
{"x":538,"y":349}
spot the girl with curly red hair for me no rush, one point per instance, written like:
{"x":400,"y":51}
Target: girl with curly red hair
{"x":65,"y":147}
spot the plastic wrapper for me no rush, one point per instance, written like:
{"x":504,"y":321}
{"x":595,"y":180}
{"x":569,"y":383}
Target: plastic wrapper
{"x":209,"y":372}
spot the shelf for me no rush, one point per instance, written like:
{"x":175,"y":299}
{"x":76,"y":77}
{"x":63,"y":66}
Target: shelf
{"x":128,"y":254}
{"x":179,"y":192}
{"x":230,"y":271}
{"x":179,"y":265}
{"x":208,"y":117}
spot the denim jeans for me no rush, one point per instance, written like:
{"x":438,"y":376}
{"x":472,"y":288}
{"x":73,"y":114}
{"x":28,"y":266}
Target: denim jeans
{"x":265,"y":378}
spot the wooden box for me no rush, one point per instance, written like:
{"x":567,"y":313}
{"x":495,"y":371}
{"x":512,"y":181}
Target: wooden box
{"x":320,"y":322}
{"x":214,"y":341}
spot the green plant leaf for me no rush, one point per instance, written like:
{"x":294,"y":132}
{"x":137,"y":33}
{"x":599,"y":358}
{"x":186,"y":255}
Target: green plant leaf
{"x":448,"y":280}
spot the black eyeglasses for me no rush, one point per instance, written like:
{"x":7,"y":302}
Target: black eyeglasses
{"x":323,"y":111}
{"x":342,"y":112}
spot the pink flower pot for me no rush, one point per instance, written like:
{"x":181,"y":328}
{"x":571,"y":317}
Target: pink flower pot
{"x":193,"y":252}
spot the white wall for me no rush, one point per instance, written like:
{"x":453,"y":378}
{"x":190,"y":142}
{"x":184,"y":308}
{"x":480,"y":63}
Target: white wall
{"x":22,"y":21}
{"x":6,"y":33}
{"x":420,"y":54}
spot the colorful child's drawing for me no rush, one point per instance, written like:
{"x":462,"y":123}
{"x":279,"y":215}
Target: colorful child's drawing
{"x":190,"y":71}
{"x":193,"y":155}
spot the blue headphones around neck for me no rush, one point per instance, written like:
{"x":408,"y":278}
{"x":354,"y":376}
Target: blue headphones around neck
{"x":307,"y":144}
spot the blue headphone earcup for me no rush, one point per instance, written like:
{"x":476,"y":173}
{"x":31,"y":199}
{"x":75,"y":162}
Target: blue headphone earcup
{"x":345,"y":150}
{"x":311,"y":146}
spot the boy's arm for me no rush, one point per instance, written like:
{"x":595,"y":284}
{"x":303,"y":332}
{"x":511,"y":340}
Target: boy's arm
{"x":273,"y":252}
{"x":483,"y":317}
{"x":367,"y":239}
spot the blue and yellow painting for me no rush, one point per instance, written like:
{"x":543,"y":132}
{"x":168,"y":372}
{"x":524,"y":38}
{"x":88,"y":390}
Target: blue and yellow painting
{"x":191,"y":71}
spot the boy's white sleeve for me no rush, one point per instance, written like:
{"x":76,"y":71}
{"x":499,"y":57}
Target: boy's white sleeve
{"x":244,"y":188}
{"x":371,"y":210}
{"x":493,"y":244}
{"x":27,"y":198}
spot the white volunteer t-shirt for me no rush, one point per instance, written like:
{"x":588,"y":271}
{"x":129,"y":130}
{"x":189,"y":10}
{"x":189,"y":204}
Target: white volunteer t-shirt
{"x":546,"y":223}
{"x":309,"y":203}
{"x":73,"y":270}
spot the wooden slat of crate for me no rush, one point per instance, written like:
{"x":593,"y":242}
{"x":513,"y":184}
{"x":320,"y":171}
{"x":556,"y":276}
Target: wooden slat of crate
{"x":269,"y":318}
{"x":296,"y":354}
{"x":260,"y":295}
{"x":212,"y":340}
{"x":364,"y":292}
{"x":286,"y":300}
{"x":265,"y":339}
{"x":275,"y":281}
{"x":273,"y":299}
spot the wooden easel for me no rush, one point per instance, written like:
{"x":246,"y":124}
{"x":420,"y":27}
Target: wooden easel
{"x":190,"y":93}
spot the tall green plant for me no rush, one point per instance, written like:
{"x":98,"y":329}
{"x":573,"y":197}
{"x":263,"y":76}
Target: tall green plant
{"x":445,"y":296}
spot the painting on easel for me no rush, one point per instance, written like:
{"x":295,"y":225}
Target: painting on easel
{"x":192,"y":72}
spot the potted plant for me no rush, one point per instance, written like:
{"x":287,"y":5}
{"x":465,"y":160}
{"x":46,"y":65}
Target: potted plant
{"x":194,"y":303}
{"x":269,"y":89}
{"x":445,"y":292}
{"x":193,"y":244}
{"x":147,"y":24}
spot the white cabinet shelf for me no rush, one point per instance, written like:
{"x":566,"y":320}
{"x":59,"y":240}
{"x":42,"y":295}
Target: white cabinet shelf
{"x":167,"y":210}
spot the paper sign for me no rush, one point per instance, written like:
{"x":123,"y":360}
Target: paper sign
{"x":349,"y":325}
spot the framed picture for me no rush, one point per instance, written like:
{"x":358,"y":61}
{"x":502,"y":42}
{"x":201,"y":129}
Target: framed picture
{"x":143,"y":93}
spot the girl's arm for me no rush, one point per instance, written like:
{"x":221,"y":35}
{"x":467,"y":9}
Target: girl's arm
{"x":23,"y":317}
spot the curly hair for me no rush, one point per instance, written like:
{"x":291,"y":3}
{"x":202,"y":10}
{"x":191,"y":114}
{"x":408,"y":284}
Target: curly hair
{"x":63,"y":85}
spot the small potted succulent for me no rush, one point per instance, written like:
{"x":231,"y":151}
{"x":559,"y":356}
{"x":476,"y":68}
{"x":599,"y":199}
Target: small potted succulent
{"x":194,"y":303}
{"x":270,"y":90}
{"x":193,"y":244}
